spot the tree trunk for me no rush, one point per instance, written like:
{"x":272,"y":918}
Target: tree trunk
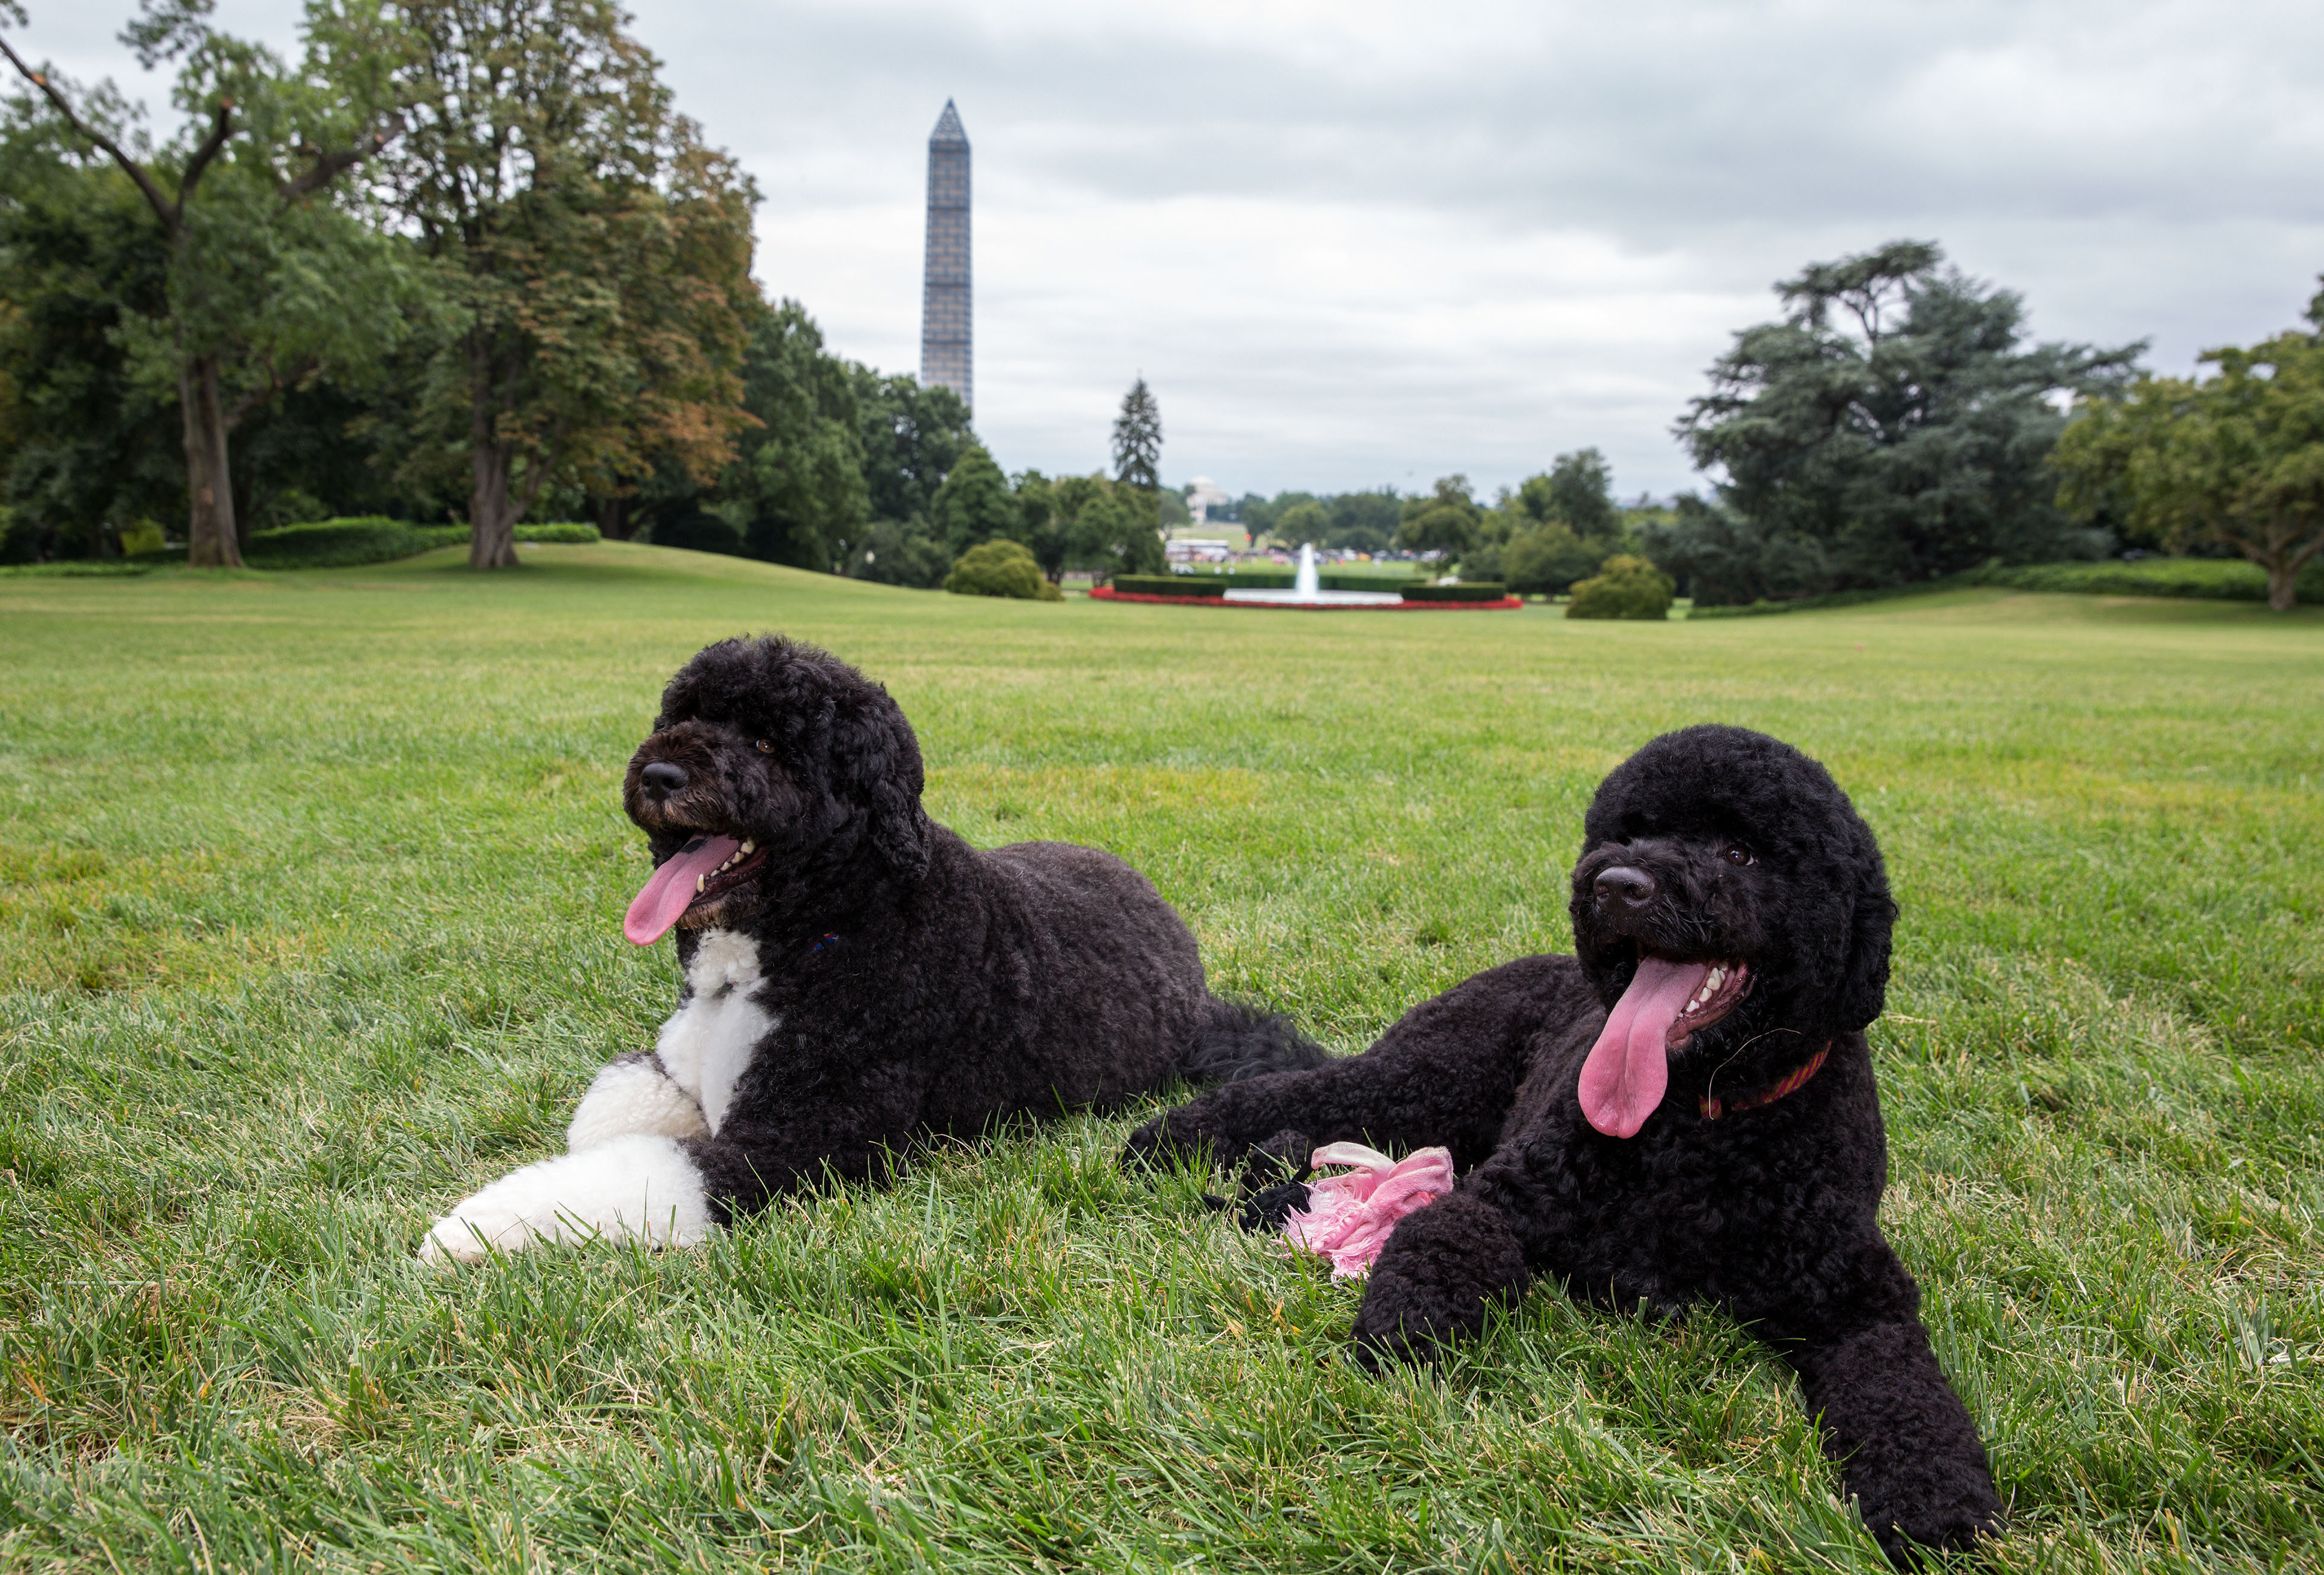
{"x":491,"y":520}
{"x":491,"y":514}
{"x":2280,"y":595}
{"x":211,"y":539}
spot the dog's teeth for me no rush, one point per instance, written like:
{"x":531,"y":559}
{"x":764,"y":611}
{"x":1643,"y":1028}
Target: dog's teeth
{"x":699,"y":881}
{"x":749,"y":846}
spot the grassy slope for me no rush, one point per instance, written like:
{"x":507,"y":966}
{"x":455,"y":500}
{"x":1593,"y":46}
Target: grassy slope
{"x":309,"y":890}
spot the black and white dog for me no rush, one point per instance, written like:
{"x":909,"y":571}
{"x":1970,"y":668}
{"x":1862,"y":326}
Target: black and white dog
{"x":1682,"y":1113}
{"x":857,"y":975}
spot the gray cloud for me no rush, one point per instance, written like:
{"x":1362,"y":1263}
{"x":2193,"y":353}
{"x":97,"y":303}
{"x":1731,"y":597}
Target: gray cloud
{"x":1356,"y":244}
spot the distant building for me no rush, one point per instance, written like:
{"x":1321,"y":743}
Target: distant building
{"x":1203,"y":496}
{"x":947,"y":342}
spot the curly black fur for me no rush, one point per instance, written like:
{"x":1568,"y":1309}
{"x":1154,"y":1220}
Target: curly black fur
{"x":1752,"y":854}
{"x":916,"y":984}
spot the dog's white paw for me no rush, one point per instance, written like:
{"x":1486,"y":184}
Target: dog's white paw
{"x":638,"y":1187}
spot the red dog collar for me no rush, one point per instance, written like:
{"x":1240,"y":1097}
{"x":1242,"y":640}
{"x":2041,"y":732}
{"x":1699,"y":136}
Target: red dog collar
{"x":1713,"y":1107}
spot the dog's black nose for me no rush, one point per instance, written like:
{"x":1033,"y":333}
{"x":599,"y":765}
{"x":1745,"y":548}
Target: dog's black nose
{"x":661,"y":779}
{"x":1623,"y":889}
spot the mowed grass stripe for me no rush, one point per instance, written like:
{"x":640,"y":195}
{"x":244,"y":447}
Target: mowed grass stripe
{"x":309,"y":890}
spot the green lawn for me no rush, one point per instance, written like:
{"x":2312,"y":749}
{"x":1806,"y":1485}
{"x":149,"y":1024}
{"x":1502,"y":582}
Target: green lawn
{"x":310,"y":898}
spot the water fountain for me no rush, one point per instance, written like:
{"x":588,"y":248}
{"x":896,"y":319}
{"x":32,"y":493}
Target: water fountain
{"x":1306,"y":590}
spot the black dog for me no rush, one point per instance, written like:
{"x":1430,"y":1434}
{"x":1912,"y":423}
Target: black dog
{"x":1685,"y":1112}
{"x":857,"y":975}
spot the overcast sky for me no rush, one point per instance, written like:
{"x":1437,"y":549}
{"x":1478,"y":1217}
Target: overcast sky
{"x":1353,"y":244}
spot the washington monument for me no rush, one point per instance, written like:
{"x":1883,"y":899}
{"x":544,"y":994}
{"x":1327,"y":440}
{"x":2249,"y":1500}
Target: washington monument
{"x":946,"y":343}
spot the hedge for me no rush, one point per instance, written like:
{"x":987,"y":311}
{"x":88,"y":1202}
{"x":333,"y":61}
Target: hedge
{"x":1283,"y":579}
{"x":1194,"y":587}
{"x":1835,"y":599}
{"x":1468,"y":591}
{"x":2209,"y":579}
{"x":76,"y":568}
{"x":375,"y":539}
{"x":346,"y":543}
{"x":2213,"y":579}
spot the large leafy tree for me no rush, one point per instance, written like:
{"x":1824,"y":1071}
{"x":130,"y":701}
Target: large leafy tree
{"x":974,"y":503}
{"x":1303,"y":520}
{"x":1445,"y":522}
{"x":595,"y":253}
{"x":1578,"y":490}
{"x":1362,"y":521}
{"x":1109,"y":526}
{"x":1894,"y":426}
{"x":86,"y":448}
{"x":912,"y":436}
{"x":799,"y":471}
{"x":266,"y":284}
{"x":2235,"y":460}
{"x":1553,"y":530}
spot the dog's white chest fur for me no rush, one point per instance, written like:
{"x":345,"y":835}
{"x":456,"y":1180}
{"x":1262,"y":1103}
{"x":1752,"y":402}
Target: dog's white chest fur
{"x":706,"y":1045}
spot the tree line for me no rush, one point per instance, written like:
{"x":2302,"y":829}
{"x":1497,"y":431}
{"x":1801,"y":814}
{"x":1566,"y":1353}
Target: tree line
{"x":1896,"y":426}
{"x":463,"y":259}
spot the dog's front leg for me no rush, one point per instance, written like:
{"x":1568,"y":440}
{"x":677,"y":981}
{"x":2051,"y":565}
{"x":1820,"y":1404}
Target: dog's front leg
{"x":641,"y":1186}
{"x":1442,"y":1073}
{"x":633,"y":1095}
{"x":1442,"y":1270}
{"x":1904,"y":1441}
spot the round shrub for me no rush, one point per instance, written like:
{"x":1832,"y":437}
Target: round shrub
{"x":1626,"y":587}
{"x":1000,"y":568}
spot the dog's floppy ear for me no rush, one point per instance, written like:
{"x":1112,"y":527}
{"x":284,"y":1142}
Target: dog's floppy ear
{"x":1864,"y":984}
{"x":878,"y":759}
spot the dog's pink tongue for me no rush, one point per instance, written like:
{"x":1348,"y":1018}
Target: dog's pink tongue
{"x":667,"y":895}
{"x":1629,"y":1068}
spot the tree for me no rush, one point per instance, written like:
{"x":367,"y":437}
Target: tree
{"x":596,"y":252}
{"x":1303,"y":522}
{"x":1551,"y":529}
{"x":1547,"y":560}
{"x":1045,"y":533}
{"x":1578,"y":490}
{"x":2237,"y":459}
{"x":1891,"y":427}
{"x":1137,"y":439}
{"x":1445,"y":521}
{"x":798,"y":477}
{"x":1109,"y":527}
{"x":893,"y":554}
{"x":912,"y":434}
{"x":1362,"y":521}
{"x":974,"y":505}
{"x":1731,"y":560}
{"x":266,"y":284}
{"x":86,"y":447}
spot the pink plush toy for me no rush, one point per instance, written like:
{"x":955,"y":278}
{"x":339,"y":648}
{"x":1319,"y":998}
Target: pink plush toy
{"x":1348,"y":1217}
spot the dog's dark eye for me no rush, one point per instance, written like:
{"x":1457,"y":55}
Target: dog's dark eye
{"x":1737,"y":853}
{"x":766,"y":746}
